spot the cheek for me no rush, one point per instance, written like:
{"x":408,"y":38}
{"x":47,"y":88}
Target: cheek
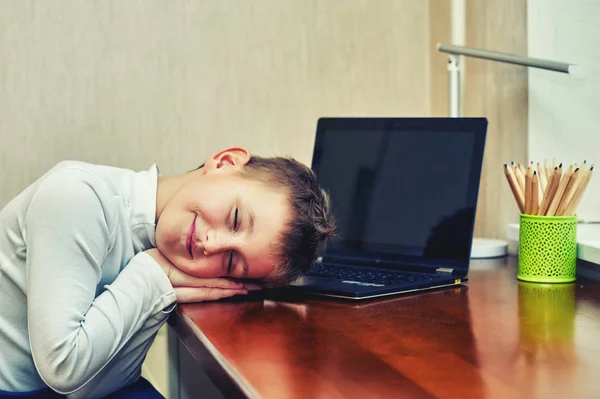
{"x":204,"y":267}
{"x":213,"y":208}
{"x":211,"y":213}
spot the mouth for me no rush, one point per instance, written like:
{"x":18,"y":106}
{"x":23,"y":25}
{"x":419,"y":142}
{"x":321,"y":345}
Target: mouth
{"x":191,"y":238}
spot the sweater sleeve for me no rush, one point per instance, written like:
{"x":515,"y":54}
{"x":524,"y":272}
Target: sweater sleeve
{"x":73,"y":334}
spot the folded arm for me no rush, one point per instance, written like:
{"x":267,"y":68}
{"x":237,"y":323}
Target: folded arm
{"x":74,"y":334}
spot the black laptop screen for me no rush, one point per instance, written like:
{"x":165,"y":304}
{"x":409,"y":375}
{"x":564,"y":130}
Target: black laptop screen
{"x":402,"y":189}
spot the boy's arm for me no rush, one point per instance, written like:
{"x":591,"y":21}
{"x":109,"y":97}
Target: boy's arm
{"x":72,"y":333}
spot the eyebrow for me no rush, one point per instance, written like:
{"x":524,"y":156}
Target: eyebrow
{"x":250,"y":216}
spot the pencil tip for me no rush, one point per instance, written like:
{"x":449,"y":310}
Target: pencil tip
{"x":560,"y":166}
{"x":535,"y":172}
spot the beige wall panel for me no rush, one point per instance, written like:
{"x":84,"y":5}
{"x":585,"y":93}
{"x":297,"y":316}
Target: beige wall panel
{"x":129,"y":83}
{"x":499,"y":92}
{"x":440,"y":31}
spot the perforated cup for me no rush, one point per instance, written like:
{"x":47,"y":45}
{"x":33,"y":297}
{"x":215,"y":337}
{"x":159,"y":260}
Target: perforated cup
{"x":547,"y":249}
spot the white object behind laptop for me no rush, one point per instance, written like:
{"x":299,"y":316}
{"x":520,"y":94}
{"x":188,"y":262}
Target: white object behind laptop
{"x":488,"y":248}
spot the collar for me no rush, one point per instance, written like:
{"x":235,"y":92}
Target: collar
{"x":143,"y":208}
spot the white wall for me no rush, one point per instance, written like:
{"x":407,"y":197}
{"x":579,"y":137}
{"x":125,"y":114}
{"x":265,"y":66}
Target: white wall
{"x":564,"y":110}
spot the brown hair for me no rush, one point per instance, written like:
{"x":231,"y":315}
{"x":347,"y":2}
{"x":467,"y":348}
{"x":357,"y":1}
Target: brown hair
{"x":312,"y":223}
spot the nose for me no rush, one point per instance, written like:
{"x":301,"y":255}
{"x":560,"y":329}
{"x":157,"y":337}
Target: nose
{"x":215,"y":243}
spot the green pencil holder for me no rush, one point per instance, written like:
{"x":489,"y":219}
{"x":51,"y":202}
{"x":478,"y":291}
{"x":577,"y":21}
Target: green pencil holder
{"x":547,"y":249}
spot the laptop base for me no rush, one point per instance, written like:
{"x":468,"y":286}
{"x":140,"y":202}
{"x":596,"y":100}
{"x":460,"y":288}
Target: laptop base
{"x":338,"y":289}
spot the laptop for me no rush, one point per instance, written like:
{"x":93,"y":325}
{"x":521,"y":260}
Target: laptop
{"x":404,"y":194}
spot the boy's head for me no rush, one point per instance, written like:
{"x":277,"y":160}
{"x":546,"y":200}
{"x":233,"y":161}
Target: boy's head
{"x":263,"y":219}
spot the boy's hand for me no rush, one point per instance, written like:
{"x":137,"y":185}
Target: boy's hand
{"x":193,"y":289}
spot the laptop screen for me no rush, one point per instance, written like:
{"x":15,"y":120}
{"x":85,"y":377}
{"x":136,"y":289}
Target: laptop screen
{"x":402,"y":189}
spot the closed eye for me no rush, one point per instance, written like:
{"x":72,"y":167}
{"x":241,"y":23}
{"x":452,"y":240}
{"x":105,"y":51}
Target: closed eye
{"x":230,"y":266}
{"x":234,"y":226}
{"x":235,"y":219}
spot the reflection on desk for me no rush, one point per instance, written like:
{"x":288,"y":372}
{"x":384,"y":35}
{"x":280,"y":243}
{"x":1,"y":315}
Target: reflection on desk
{"x":495,"y":338}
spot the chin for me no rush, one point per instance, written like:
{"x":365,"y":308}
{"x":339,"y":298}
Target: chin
{"x":159,"y":242}
{"x":165,"y":239}
{"x":163,"y":247}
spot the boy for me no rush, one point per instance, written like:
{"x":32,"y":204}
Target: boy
{"x":94,"y":258}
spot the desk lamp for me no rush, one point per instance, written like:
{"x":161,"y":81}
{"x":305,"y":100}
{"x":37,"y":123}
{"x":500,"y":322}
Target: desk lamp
{"x":484,"y":247}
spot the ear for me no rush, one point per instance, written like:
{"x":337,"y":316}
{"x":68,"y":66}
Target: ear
{"x":234,"y":156}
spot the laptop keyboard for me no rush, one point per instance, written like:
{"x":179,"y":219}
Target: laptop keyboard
{"x":374,"y":276}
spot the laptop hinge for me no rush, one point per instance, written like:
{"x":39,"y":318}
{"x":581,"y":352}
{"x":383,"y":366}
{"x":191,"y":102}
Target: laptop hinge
{"x":444,"y":270}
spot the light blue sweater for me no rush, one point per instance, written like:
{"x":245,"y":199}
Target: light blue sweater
{"x":74,"y":282}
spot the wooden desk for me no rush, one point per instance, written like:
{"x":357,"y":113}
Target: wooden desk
{"x":494,"y":338}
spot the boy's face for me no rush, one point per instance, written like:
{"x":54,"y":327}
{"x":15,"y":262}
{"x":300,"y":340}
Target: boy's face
{"x":220,"y":223}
